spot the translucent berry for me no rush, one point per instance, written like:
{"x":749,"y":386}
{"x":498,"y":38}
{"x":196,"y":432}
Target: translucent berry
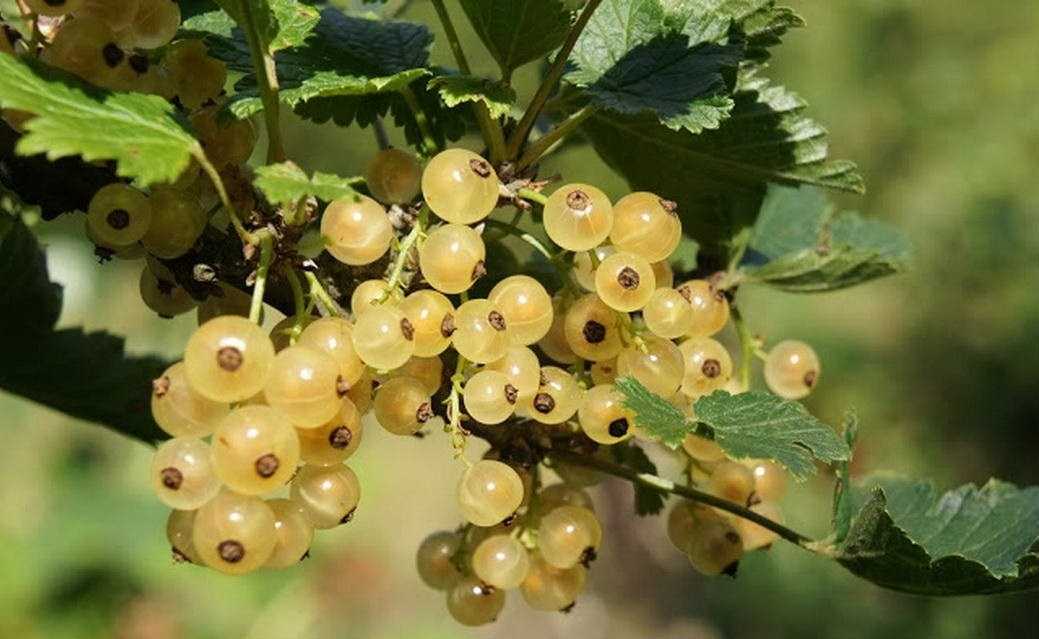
{"x":710,"y":307}
{"x":501,"y":561}
{"x":179,"y":410}
{"x":667,"y":314}
{"x":708,"y":366}
{"x":334,"y":335}
{"x":356,"y":230}
{"x":568,"y":535}
{"x":716,"y":545}
{"x":163,"y":296}
{"x":182,"y":475}
{"x":681,"y":524}
{"x":452,"y":258}
{"x":592,"y":330}
{"x":755,"y":536}
{"x":481,"y":332}
{"x":521,"y":368}
{"x":554,"y":344}
{"x":303,"y":385}
{"x":558,"y":397}
{"x":53,"y":7}
{"x":563,"y":494}
{"x":154,"y":24}
{"x":230,"y":301}
{"x":179,"y":525}
{"x":460,"y":186}
{"x":118,"y":215}
{"x":792,"y":369}
{"x":660,"y":367}
{"x":427,"y":370}
{"x":603,"y":372}
{"x":702,"y":449}
{"x":335,"y":440}
{"x":472,"y":603}
{"x":384,"y":338}
{"x":552,"y":589}
{"x":647,"y":225}
{"x":584,"y":267}
{"x":603,"y":416}
{"x":770,"y":479}
{"x":489,"y":397}
{"x":434,"y":560}
{"x":329,"y":494}
{"x":578,"y":217}
{"x":664,"y":273}
{"x":228,"y":359}
{"x":393,"y":176}
{"x":196,"y":77}
{"x":732,"y":481}
{"x":625,"y":281}
{"x":488,"y":492}
{"x":432,"y":316}
{"x":117,"y":15}
{"x":526,"y":305}
{"x":255,"y":450}
{"x":371,"y":293}
{"x":293,"y":533}
{"x":402,"y":405}
{"x":234,"y":533}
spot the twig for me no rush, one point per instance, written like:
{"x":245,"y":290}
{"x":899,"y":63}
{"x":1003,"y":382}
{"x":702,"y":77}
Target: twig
{"x":429,"y":143}
{"x":317,"y":291}
{"x":548,"y":85}
{"x":543,"y":145}
{"x":267,"y":75}
{"x":221,"y":191}
{"x":266,"y":257}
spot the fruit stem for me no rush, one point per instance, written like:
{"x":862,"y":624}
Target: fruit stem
{"x":267,"y":75}
{"x":298,"y":301}
{"x":548,"y":85}
{"x":429,"y":143}
{"x":382,"y":139}
{"x":533,"y":196}
{"x":221,"y":191}
{"x":746,"y":346}
{"x":551,"y":140}
{"x":493,"y":136}
{"x":393,"y":282}
{"x":454,"y":408}
{"x":264,"y":267}
{"x":318,"y":291}
{"x":667,"y":486}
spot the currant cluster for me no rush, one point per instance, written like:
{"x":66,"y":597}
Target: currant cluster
{"x":128,"y":45}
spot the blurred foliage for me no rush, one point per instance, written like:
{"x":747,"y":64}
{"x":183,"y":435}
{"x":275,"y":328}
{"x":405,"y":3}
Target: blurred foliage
{"x":938,"y":108}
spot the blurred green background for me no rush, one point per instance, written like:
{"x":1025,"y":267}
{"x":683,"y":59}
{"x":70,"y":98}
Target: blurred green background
{"x":938,"y":105}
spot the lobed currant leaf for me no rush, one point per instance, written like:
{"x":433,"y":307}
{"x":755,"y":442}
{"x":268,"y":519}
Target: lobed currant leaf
{"x":460,"y":89}
{"x":519,"y":31}
{"x":286,"y":183}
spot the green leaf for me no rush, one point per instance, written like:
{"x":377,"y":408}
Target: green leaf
{"x":647,"y":500}
{"x":85,"y":375}
{"x":281,"y":23}
{"x":763,"y":426}
{"x":518,"y":31}
{"x":719,"y":176}
{"x":842,"y":470}
{"x":459,"y":89}
{"x":286,"y":183}
{"x":140,"y":132}
{"x":904,"y":535}
{"x":804,"y":245}
{"x":632,"y":58}
{"x":760,"y":23}
{"x":654,"y":415}
{"x":683,"y":260}
{"x":345,"y":56}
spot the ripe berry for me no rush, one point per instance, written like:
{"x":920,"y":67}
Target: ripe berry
{"x":182,"y":475}
{"x":489,"y":397}
{"x":568,"y":535}
{"x":501,"y":561}
{"x":660,"y":368}
{"x":710,"y":308}
{"x":429,"y":371}
{"x":230,"y":301}
{"x":460,"y":186}
{"x":53,"y":7}
{"x":681,"y":524}
{"x":432,"y":317}
{"x":472,"y":603}
{"x":552,"y":589}
{"x":708,"y":366}
{"x":770,"y":479}
{"x":792,"y":369}
{"x":562,"y":494}
{"x":371,"y":293}
{"x":356,"y":230}
{"x":335,"y":440}
{"x":155,"y":23}
{"x":196,"y":77}
{"x":402,"y":405}
{"x":667,"y":314}
{"x":228,"y":359}
{"x":526,"y":305}
{"x":557,"y":399}
{"x":255,"y":450}
{"x":521,"y":369}
{"x":393,"y":176}
{"x":578,"y":217}
{"x":755,"y":536}
{"x":118,"y":215}
{"x":647,"y":225}
{"x":481,"y":331}
{"x":554,"y":344}
{"x":703,"y":450}
{"x":591,"y":329}
{"x":603,"y":416}
{"x":334,"y":335}
{"x":179,"y":525}
{"x":384,"y":338}
{"x":433,"y":560}
{"x":329,"y":494}
{"x":625,"y":281}
{"x":163,"y":296}
{"x":117,"y":15}
{"x":303,"y":385}
{"x":234,"y":533}
{"x":488,"y":492}
{"x":716,"y":545}
{"x":179,"y":410}
{"x":604,"y":372}
{"x":732,"y":481}
{"x":452,"y":258}
{"x":293,"y":533}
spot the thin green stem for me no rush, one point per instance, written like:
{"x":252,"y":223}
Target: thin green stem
{"x":667,"y":486}
{"x":546,"y":143}
{"x":262,"y":270}
{"x":747,"y":345}
{"x":393,"y":282}
{"x":299,"y":303}
{"x":533,"y":196}
{"x":221,"y":191}
{"x":382,"y":139}
{"x":429,"y":143}
{"x":454,"y":408}
{"x":318,"y":292}
{"x":267,"y":74}
{"x":493,"y":136}
{"x":548,"y":85}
